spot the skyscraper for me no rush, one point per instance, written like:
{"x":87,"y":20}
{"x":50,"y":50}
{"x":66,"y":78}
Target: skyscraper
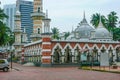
{"x":9,"y":10}
{"x":26,"y":8}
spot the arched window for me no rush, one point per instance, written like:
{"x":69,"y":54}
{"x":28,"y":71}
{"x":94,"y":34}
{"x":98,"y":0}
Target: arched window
{"x":38,"y":30}
{"x":38,"y":9}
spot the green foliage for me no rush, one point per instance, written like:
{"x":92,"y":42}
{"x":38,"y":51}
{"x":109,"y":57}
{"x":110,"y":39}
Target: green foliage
{"x":116,"y":33}
{"x":95,"y":19}
{"x":2,"y":15}
{"x":24,"y":62}
{"x":55,"y":32}
{"x":112,"y":20}
{"x":37,"y":64}
{"x":66,"y":35}
{"x":5,"y":32}
{"x":15,"y":59}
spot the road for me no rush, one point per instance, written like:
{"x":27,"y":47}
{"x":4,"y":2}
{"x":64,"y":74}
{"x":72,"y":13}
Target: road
{"x":67,"y":73}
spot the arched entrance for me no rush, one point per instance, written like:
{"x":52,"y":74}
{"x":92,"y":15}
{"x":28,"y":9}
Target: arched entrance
{"x":68,"y":55}
{"x":95,"y":55}
{"x":118,"y":54}
{"x":110,"y":51}
{"x":77,"y":55}
{"x":57,"y":55}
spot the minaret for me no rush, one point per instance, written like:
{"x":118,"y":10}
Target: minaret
{"x":17,"y":31}
{"x":46,"y":41}
{"x":37,"y":17}
{"x":46,"y":21}
{"x":24,"y":36}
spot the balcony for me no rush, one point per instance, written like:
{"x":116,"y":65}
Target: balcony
{"x":41,"y":14}
{"x":18,"y":30}
{"x":35,"y":36}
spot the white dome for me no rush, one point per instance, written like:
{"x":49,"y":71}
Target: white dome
{"x":84,"y":29}
{"x":18,"y":12}
{"x":102,"y":33}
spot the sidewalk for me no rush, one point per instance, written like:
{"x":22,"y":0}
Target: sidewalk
{"x":103,"y":69}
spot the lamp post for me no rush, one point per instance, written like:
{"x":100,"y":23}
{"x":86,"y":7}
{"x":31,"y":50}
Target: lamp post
{"x":11,"y":41}
{"x":11,"y":58}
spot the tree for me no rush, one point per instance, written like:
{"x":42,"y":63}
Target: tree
{"x":55,"y":32}
{"x":2,"y":15}
{"x":116,"y":34}
{"x":66,"y":35}
{"x":4,"y":30}
{"x":112,"y":20}
{"x":4,"y":34}
{"x":95,"y":19}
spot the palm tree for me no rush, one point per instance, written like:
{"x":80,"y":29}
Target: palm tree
{"x":112,"y":20}
{"x":116,"y":34}
{"x":95,"y":19}
{"x":66,"y":35}
{"x":55,"y":32}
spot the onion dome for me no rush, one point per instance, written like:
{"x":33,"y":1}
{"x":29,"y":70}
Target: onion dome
{"x":18,"y":12}
{"x":102,"y":33}
{"x":84,"y":29}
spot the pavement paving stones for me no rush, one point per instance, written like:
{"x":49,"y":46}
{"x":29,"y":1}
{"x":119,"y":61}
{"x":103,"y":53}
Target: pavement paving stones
{"x":58,"y":73}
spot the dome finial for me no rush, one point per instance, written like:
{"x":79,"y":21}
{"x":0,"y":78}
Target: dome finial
{"x":100,"y":22}
{"x":46,"y":13}
{"x":84,"y":21}
{"x":84,"y":14}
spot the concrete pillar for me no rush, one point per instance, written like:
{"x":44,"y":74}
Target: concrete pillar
{"x":22,"y":55}
{"x":72,"y":55}
{"x":114,"y":54}
{"x":63,"y":56}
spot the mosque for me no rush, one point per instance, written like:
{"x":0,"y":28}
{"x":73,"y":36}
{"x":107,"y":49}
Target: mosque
{"x":85,"y":44}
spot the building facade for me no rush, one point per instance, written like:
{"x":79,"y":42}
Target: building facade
{"x":26,"y":8}
{"x":49,"y":52}
{"x":37,"y":17}
{"x":84,"y":45}
{"x":10,"y":10}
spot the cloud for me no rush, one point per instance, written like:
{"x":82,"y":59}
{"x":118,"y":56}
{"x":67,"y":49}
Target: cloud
{"x":68,"y":13}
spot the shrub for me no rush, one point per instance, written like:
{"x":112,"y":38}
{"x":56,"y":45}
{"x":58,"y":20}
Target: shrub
{"x":37,"y":64}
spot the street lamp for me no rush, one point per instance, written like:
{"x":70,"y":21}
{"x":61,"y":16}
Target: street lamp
{"x":11,"y":58}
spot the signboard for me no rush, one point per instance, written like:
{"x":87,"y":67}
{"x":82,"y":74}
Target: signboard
{"x":104,"y":59}
{"x":83,"y":57}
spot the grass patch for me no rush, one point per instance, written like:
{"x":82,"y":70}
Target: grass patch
{"x":89,"y":68}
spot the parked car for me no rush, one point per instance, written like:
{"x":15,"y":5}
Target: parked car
{"x":4,"y":65}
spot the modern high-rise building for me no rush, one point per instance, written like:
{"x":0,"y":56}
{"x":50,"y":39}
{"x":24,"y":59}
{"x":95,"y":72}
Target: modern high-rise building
{"x":26,"y":8}
{"x":9,"y":10}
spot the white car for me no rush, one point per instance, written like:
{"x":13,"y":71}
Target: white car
{"x":4,"y":65}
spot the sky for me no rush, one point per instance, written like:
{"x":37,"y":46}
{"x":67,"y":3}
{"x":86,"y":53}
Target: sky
{"x":66,"y":14}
